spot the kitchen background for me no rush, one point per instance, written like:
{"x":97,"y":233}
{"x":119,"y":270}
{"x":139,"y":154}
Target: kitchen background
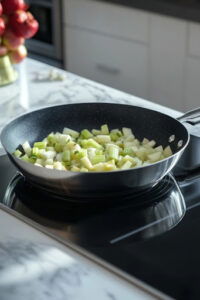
{"x":150,"y":49}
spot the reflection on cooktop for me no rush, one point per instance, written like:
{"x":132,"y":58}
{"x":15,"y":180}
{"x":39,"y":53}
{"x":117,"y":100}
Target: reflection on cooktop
{"x":135,"y":217}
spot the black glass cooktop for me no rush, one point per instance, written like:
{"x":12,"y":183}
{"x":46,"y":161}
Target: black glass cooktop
{"x":153,"y":235}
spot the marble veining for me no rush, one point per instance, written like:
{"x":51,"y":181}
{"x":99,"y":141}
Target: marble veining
{"x":29,"y":93}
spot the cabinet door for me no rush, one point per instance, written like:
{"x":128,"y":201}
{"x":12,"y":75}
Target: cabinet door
{"x":192,"y":86}
{"x":117,"y":63}
{"x":167,"y":61}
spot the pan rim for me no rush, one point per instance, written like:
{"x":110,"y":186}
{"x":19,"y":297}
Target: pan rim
{"x":100,"y":103}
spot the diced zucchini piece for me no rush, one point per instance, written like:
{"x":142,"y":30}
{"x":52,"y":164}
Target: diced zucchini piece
{"x":73,"y":133}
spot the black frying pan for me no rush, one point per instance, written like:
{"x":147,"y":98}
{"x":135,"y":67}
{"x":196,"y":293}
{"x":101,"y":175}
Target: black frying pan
{"x":36,"y":125}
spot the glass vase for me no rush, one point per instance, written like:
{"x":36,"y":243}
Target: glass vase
{"x":8,"y":74}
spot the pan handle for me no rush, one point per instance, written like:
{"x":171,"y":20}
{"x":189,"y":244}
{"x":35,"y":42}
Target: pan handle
{"x":192,"y":116}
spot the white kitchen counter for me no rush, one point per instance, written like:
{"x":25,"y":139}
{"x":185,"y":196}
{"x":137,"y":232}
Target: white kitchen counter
{"x":28,"y":93}
{"x":33,"y":265}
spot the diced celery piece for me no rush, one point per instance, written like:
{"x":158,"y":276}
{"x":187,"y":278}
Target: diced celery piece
{"x":35,"y":151}
{"x":49,"y":154}
{"x":49,"y":161}
{"x":83,"y":169}
{"x":49,"y":166}
{"x":112,"y":152}
{"x":40,"y":145}
{"x":50,"y":148}
{"x":63,"y":139}
{"x":66,"y":156}
{"x":126,"y":165}
{"x":59,"y":156}
{"x":98,"y":158}
{"x":114,"y":136}
{"x":96,"y":132}
{"x":58,"y":147}
{"x":151,"y":143}
{"x":103,"y":139}
{"x":86,"y":134}
{"x":39,"y":161}
{"x":167,"y":151}
{"x":73,"y":133}
{"x":104,"y":129}
{"x":58,"y":165}
{"x":17,"y":153}
{"x":127,"y":131}
{"x":25,"y":157}
{"x":127,"y":151}
{"x":154,"y":157}
{"x":75,"y":169}
{"x":79,"y":154}
{"x":86,"y":163}
{"x":90,"y":143}
{"x":38,"y":165}
{"x":26,"y":147}
{"x":145,"y":141}
{"x":158,"y":149}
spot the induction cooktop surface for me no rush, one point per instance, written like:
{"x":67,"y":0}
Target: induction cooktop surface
{"x":153,"y":235}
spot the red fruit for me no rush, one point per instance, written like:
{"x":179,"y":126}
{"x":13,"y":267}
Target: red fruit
{"x":1,"y":9}
{"x":11,"y":41}
{"x":10,"y":6}
{"x":23,"y":24}
{"x":2,"y":26}
{"x":18,"y":55}
{"x":3,"y":50}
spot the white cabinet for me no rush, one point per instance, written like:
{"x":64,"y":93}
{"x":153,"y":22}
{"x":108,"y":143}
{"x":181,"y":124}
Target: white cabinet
{"x":149,"y":55}
{"x":167,"y":61}
{"x":118,"y":63}
{"x":106,"y":18}
{"x":192,"y":88}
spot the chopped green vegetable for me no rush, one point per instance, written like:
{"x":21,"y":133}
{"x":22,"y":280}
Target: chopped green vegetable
{"x":98,"y":150}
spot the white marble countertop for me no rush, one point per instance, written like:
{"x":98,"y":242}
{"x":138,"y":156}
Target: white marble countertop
{"x":33,"y":266}
{"x":28,"y":93}
{"x":36,"y":267}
